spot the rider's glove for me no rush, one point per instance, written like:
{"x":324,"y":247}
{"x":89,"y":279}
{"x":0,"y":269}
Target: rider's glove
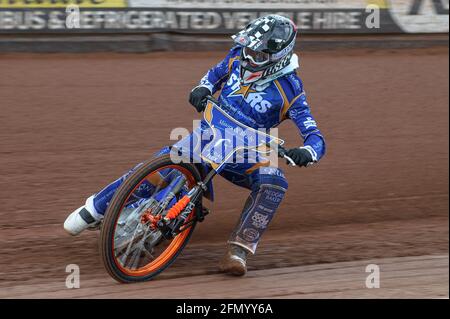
{"x":198,"y":96}
{"x":300,"y":156}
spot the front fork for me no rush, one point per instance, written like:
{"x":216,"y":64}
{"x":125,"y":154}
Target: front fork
{"x":174,"y":222}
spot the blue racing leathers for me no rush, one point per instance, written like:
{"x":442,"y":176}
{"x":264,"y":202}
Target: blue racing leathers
{"x":263,"y":104}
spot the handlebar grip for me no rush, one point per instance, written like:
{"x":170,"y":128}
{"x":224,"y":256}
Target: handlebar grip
{"x":281,"y":151}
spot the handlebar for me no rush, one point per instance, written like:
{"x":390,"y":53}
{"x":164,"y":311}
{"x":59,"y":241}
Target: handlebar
{"x":280,"y":149}
{"x":209,"y":98}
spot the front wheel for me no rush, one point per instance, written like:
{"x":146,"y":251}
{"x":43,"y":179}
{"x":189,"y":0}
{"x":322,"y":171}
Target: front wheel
{"x":132,"y":248}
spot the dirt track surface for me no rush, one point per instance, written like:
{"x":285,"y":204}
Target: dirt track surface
{"x":334,"y":280}
{"x":70,"y":124}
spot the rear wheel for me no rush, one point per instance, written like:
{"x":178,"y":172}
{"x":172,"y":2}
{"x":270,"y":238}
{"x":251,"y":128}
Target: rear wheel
{"x":132,"y":248}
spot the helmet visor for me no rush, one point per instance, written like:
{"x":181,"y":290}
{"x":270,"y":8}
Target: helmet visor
{"x":256,"y":57}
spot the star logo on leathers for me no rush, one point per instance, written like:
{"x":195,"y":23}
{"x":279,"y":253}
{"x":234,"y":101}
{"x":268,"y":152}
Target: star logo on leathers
{"x":242,"y":90}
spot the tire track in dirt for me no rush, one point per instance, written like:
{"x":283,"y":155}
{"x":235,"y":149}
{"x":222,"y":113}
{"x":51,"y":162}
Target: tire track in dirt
{"x":401,"y":277}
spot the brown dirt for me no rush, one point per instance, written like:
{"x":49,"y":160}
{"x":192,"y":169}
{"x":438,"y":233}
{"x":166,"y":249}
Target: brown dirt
{"x":333,"y":280}
{"x":69,"y":124}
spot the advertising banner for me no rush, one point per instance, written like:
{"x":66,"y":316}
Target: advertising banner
{"x":221,"y":16}
{"x":53,"y":4}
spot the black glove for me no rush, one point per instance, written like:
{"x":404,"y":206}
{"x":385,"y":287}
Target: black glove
{"x":300,"y":156}
{"x":197,"y":96}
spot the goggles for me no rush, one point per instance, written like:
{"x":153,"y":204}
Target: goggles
{"x":258,"y":58}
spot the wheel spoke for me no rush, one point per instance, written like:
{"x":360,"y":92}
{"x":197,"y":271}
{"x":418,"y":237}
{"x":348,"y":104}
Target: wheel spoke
{"x":130,"y":245}
{"x":134,"y":260}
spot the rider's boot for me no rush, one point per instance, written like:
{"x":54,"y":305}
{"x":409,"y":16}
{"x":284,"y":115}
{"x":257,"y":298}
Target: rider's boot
{"x":235,"y":261}
{"x":83,"y":218}
{"x":89,"y":216}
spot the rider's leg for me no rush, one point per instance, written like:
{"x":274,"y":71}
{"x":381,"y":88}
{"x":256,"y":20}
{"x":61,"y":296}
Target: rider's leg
{"x":89,"y":215}
{"x":268,"y":186}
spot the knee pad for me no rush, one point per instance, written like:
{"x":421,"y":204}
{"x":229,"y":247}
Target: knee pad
{"x":268,"y":176}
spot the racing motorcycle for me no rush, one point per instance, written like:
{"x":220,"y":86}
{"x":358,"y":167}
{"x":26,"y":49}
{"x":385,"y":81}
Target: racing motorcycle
{"x":141,"y":236}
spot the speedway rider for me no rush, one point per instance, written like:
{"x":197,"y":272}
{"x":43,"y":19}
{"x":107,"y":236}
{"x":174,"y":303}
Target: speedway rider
{"x":260,"y":88}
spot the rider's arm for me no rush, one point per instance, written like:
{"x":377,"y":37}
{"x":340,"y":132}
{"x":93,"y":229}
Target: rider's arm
{"x":217,"y":75}
{"x":300,"y":113}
